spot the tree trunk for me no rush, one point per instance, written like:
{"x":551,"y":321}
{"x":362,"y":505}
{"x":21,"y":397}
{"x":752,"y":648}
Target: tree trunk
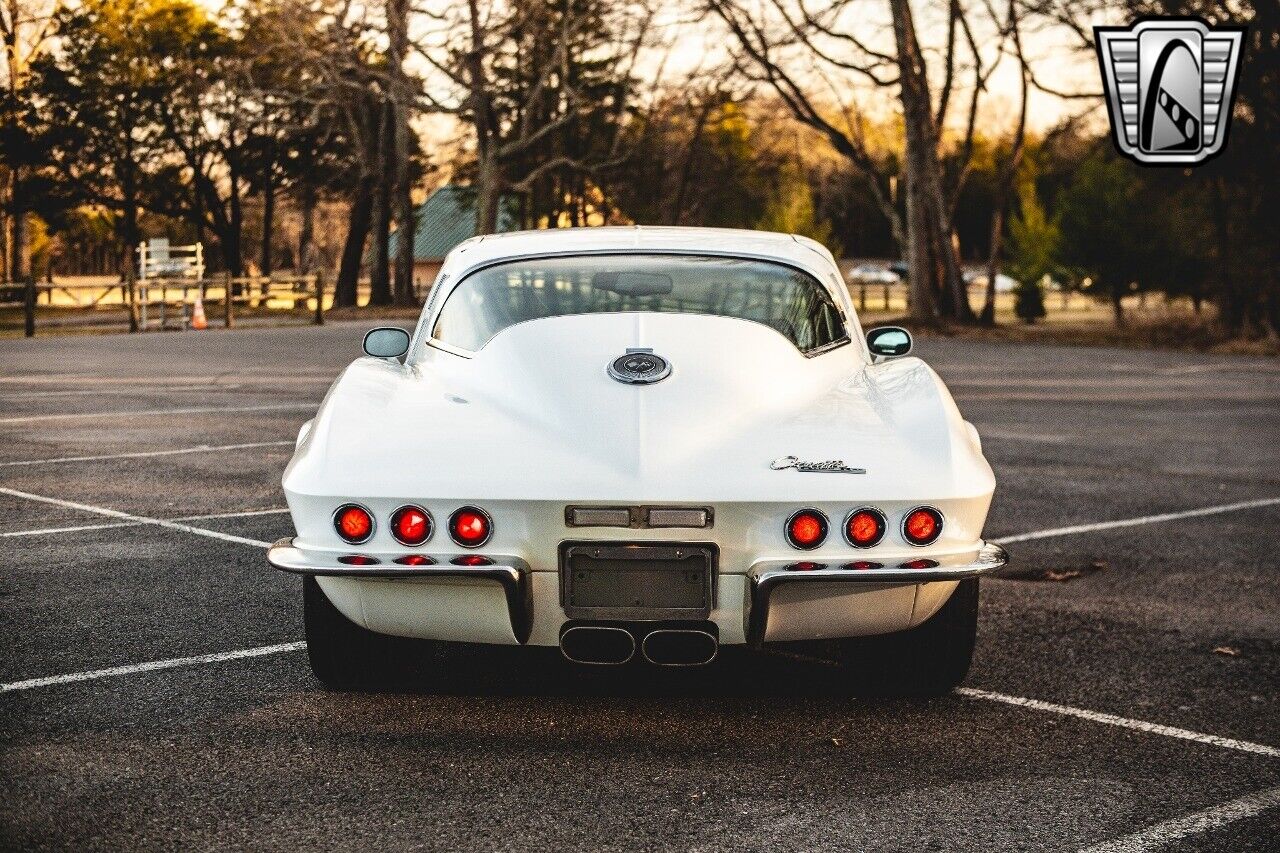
{"x":988,"y":316}
{"x":268,"y":226}
{"x":18,"y":218}
{"x":379,"y":269}
{"x":920,"y":152}
{"x":487,"y":192}
{"x":358,"y":222}
{"x":306,"y":236}
{"x":402,"y":193}
{"x":403,"y":206}
{"x":1231,"y":309}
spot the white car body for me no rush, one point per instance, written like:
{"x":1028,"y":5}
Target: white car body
{"x":532,"y":423}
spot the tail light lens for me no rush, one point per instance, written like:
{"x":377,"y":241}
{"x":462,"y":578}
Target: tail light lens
{"x":415,"y":560}
{"x":865,"y":527}
{"x":472,"y":560}
{"x":353,"y":523}
{"x":805,"y":566}
{"x":806,"y":529}
{"x":857,"y":565}
{"x":411,"y":525}
{"x":919,"y":564}
{"x":470,"y":527}
{"x":358,"y":560}
{"x":922,"y":525}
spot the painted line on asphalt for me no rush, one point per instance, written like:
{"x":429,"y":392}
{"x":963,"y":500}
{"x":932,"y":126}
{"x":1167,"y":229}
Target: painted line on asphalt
{"x":151,"y":666}
{"x":1122,"y":722}
{"x":1167,"y":832}
{"x":1136,"y":522}
{"x":140,"y":519}
{"x":195,"y":410}
{"x":31,"y":395}
{"x":199,"y":448}
{"x":45,"y":531}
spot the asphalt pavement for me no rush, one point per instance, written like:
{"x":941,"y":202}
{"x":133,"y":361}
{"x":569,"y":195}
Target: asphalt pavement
{"x":1126,"y":687}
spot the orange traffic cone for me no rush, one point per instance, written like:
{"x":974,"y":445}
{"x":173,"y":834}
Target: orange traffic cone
{"x":198,"y":320}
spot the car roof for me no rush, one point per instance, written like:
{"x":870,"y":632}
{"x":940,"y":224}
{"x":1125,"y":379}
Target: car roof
{"x":492,"y":248}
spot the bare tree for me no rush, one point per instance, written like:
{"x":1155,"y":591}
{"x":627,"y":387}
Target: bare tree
{"x":26,"y":29}
{"x":810,"y":58}
{"x":517,"y":75}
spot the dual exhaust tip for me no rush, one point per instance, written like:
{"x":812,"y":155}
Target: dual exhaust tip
{"x":607,"y":645}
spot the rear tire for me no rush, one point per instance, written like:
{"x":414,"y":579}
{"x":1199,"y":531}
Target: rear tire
{"x":928,"y":660}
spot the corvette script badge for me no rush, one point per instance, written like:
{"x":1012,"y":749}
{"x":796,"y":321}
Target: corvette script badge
{"x":831,"y":466}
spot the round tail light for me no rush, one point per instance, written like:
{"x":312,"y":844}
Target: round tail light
{"x":415,"y":560}
{"x":353,"y":523}
{"x":865,"y":527}
{"x":806,"y":529}
{"x":472,"y":560}
{"x":411,"y":525}
{"x":470,"y":527}
{"x":922,"y":525}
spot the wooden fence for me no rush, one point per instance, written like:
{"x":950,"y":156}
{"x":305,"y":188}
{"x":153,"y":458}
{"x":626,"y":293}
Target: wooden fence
{"x":163,"y":303}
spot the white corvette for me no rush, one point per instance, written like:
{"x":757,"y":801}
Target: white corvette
{"x":641,"y":444}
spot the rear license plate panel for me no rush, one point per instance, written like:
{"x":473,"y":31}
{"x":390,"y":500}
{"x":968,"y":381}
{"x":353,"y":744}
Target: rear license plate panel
{"x":642,"y":580}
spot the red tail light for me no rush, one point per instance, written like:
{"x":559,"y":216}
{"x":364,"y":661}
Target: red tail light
{"x":411,"y":525}
{"x":922,"y":563}
{"x":415,"y":560}
{"x":865,"y":527}
{"x":358,"y":560}
{"x":472,"y":560}
{"x":806,"y":529}
{"x":863,"y":564}
{"x":806,"y":566}
{"x":470,"y":527}
{"x":353,"y":523}
{"x":922,"y":525}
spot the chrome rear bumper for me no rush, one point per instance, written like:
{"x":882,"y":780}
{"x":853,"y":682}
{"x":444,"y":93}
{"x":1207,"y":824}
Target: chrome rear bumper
{"x":512,"y":573}
{"x":765,"y":577}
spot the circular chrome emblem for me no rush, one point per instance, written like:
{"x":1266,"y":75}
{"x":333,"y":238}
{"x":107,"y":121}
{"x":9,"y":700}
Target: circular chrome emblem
{"x":639,"y":368}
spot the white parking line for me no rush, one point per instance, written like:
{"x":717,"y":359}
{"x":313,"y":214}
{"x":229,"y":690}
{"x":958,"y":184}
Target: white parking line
{"x":197,"y":410}
{"x":1162,"y":834}
{"x":140,"y":519}
{"x":1135,"y":522}
{"x":1123,"y":722}
{"x":29,"y":395}
{"x":45,"y":531}
{"x":199,"y":448}
{"x":152,"y":666}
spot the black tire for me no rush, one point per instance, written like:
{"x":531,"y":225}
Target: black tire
{"x":928,"y":660}
{"x":343,"y":655}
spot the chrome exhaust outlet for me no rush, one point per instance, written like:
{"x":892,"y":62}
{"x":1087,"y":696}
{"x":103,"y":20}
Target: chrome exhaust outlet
{"x":597,"y":645}
{"x":679,"y":647}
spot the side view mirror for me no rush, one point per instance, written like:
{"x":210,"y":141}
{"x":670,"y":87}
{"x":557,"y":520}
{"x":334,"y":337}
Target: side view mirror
{"x":386,"y":342}
{"x":889,"y":341}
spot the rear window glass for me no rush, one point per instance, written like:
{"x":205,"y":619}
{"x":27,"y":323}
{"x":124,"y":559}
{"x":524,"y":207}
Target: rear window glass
{"x":785,"y":299}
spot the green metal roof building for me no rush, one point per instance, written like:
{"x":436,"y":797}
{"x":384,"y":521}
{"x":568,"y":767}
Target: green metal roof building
{"x":443,"y":221}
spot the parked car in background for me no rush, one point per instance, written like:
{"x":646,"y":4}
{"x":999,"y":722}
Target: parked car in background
{"x":641,"y":444}
{"x":873,"y":274}
{"x":1004,"y":283}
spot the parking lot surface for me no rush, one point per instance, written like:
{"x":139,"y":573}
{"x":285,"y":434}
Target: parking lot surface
{"x":154,"y":694}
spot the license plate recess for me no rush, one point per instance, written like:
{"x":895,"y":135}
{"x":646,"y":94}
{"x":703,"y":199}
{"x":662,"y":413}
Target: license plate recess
{"x":637,"y":581}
